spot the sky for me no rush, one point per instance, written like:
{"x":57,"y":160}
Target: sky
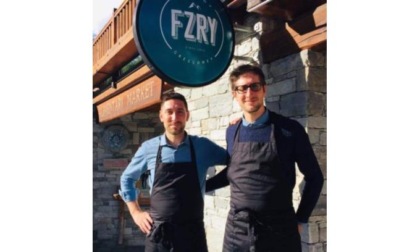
{"x":102,"y":12}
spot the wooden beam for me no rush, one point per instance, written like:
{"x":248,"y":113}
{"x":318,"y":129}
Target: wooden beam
{"x":286,"y":10}
{"x":137,"y":76}
{"x":306,"y":31}
{"x":120,"y":54}
{"x":236,"y":3}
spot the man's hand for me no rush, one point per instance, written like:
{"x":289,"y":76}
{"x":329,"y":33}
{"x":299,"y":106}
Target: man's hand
{"x":300,"y":228}
{"x":140,"y":217}
{"x":143,"y":220}
{"x":234,"y":121}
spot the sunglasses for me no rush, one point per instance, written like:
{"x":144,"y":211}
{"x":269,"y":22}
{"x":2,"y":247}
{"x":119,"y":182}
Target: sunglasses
{"x":256,"y":86}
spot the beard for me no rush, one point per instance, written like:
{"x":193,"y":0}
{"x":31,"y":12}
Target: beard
{"x":175,"y":129}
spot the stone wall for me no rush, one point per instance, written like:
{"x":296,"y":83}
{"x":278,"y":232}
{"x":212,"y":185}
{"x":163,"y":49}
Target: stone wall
{"x":107,"y":169}
{"x":297,"y":89}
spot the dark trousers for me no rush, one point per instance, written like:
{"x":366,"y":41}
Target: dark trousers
{"x":166,"y":237}
{"x":248,"y":232}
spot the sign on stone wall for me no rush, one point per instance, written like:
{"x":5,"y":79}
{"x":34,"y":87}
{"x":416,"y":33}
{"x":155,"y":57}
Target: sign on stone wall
{"x":184,"y":42}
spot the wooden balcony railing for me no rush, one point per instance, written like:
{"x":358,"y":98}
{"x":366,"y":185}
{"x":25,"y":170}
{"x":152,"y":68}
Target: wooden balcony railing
{"x":114,"y":45}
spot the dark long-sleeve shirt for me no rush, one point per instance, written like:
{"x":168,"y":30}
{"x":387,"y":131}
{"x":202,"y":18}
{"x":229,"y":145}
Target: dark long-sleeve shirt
{"x":293,"y":147}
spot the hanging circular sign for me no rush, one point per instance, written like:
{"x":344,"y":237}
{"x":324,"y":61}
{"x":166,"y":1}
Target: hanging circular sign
{"x":184,"y":42}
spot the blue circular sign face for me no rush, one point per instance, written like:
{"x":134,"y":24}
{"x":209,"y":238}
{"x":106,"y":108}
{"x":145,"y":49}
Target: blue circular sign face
{"x":184,"y":42}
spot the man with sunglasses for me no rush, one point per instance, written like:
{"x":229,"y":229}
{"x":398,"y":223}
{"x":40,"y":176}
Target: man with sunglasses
{"x":264,"y":147}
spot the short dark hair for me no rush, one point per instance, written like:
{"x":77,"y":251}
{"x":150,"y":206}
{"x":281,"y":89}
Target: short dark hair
{"x":175,"y":96}
{"x":243,"y":69}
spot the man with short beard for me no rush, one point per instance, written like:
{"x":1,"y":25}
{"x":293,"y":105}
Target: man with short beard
{"x":177,"y":164}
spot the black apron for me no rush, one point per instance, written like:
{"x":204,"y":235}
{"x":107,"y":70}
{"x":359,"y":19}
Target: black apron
{"x":261,"y":217}
{"x":176,"y":207}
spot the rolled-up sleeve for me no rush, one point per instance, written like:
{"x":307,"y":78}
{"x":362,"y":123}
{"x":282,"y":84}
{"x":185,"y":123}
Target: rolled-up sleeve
{"x":131,"y":175}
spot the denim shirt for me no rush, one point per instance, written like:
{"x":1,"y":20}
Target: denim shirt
{"x":207,"y":153}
